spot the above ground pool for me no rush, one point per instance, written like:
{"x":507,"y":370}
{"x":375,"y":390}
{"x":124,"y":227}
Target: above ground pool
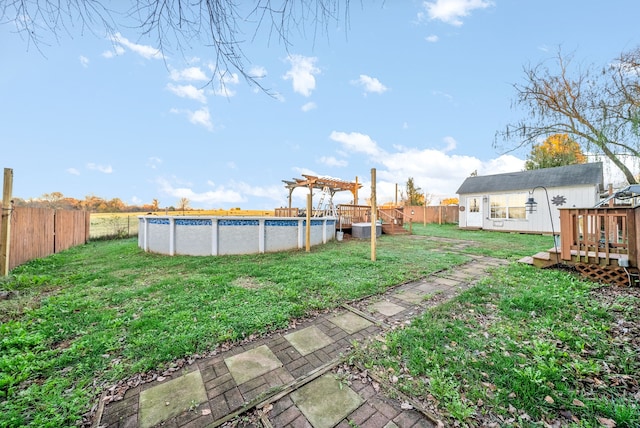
{"x":214,"y":236}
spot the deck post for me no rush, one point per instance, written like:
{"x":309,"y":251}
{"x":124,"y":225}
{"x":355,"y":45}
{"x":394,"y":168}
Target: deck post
{"x":633,"y":240}
{"x":566,"y":234}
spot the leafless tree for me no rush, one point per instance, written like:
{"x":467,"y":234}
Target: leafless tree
{"x":183,"y":205}
{"x":598,"y":107}
{"x":177,"y":24}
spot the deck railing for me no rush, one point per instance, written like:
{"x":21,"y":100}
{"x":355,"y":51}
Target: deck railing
{"x":391,"y":215}
{"x":598,"y":235}
{"x":349,"y":214}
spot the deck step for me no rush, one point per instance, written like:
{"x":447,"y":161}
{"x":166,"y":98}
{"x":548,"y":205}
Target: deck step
{"x":542,"y":255}
{"x":544,"y":259}
{"x":393,"y":229}
{"x":526,"y":260}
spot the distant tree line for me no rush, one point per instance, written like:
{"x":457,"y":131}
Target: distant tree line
{"x":92,"y":203}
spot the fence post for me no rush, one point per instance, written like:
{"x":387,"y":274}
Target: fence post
{"x":5,"y":224}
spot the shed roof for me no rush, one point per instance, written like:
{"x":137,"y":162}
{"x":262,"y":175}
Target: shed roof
{"x":561,"y":176}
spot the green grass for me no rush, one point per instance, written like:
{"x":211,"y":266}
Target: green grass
{"x":83,"y":319}
{"x":522,"y":348}
{"x":95,"y":314}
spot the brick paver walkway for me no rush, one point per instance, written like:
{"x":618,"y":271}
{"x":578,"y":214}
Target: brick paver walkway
{"x":290,"y":373}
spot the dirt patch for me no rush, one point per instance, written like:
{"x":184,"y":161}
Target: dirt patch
{"x":249,"y":283}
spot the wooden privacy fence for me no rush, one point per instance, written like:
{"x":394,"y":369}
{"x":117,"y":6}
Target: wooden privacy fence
{"x":39,"y":232}
{"x":439,"y":214}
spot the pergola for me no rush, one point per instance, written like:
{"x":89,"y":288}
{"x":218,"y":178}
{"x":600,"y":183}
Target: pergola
{"x":326,"y":184}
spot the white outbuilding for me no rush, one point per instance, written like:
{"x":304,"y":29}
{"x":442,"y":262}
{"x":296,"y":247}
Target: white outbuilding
{"x":499,"y":201}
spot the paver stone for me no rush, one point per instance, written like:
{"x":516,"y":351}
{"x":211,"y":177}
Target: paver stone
{"x":252,"y":363}
{"x":410,"y":297}
{"x":324,"y":402}
{"x":350,"y":322}
{"x":167,"y":400}
{"x":386,"y":308}
{"x":308,"y":340}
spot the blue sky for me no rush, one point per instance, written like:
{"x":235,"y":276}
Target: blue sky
{"x":412,"y":88}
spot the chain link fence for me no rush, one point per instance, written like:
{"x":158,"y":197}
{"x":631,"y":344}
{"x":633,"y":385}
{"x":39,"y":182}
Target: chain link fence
{"x":114,"y":226}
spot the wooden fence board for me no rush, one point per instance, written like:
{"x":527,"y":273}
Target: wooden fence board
{"x":40,"y":232}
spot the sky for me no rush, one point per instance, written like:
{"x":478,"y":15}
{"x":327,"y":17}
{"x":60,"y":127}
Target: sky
{"x":414,"y":89}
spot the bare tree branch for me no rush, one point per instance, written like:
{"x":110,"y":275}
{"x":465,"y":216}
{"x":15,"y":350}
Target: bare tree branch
{"x":177,"y":24}
{"x":600,"y":110}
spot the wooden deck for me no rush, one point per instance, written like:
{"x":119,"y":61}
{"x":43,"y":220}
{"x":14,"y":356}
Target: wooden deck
{"x":601,"y":243}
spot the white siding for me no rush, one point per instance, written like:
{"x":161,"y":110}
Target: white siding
{"x":540,"y":220}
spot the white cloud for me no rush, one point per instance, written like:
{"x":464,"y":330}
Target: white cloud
{"x":84,"y":61}
{"x":199,"y":117}
{"x":274,"y":192}
{"x":370,"y":84}
{"x":302,"y":74}
{"x":258,"y":72}
{"x":188,"y":91}
{"x":154,"y":162}
{"x":452,"y":11}
{"x":144,"y":51}
{"x":432,"y":38}
{"x":190,"y":74}
{"x":226,"y":80}
{"x":234,"y":193}
{"x":117,"y":51}
{"x":332,"y":161}
{"x":451,"y":144}
{"x":443,"y":94}
{"x":436,"y":172}
{"x":106,"y":169}
{"x":356,"y":142}
{"x":73,"y":171}
{"x":217,"y":196}
{"x":309,"y":106}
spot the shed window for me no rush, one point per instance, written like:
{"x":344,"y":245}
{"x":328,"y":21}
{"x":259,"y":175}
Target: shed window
{"x":509,"y":206}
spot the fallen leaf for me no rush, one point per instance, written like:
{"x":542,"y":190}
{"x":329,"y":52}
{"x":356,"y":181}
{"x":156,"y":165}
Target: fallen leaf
{"x":406,"y":406}
{"x":161,"y":378}
{"x":512,"y":409}
{"x":548,"y":399}
{"x":491,"y":386}
{"x":578,"y":403}
{"x":206,"y":412}
{"x":609,"y":423}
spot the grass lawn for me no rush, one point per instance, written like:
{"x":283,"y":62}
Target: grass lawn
{"x":83,"y":319}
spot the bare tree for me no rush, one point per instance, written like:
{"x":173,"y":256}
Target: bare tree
{"x":599,"y":108}
{"x":183,"y":205}
{"x":176,"y":24}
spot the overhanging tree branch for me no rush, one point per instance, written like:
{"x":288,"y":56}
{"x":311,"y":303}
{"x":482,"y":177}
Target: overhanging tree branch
{"x":176,"y":24}
{"x":600,"y":110}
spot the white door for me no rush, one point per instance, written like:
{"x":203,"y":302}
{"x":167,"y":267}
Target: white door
{"x":474,"y":211}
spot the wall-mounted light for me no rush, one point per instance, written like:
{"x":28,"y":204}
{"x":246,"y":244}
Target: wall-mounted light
{"x":531,"y":205}
{"x":485,"y":198}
